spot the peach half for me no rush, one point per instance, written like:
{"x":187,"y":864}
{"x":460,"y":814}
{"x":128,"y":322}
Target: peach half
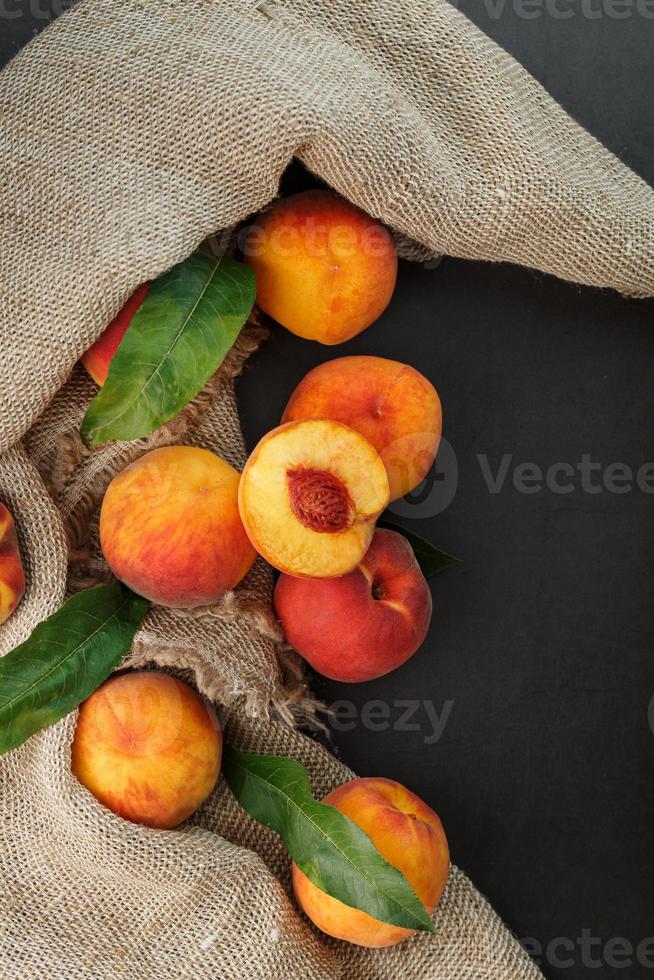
{"x":364,"y":624}
{"x":12,"y":576}
{"x":309,"y":497}
{"x":170,"y":527}
{"x":407,"y":833}
{"x":325,"y":270}
{"x":148,"y":747}
{"x":394,"y":406}
{"x":98,"y":358}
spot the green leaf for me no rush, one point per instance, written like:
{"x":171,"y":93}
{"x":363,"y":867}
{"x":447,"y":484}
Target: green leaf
{"x":177,"y":339}
{"x":335,"y":854}
{"x":431,"y":559}
{"x":65,"y":659}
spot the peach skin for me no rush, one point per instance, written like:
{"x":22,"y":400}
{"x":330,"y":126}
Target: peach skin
{"x":98,"y":357}
{"x":325,"y":270}
{"x":394,"y":406}
{"x":309,"y":497}
{"x":170,"y":527}
{"x":407,"y":833}
{"x":148,"y":747}
{"x":12,"y":576}
{"x":362,"y":625}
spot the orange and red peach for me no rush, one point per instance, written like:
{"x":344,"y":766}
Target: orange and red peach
{"x":407,"y":833}
{"x":309,"y":497}
{"x":325,"y":270}
{"x":394,"y":406}
{"x":170,"y":527}
{"x":97,"y":358}
{"x":12,"y":576}
{"x":148,"y":747}
{"x":362,"y":625}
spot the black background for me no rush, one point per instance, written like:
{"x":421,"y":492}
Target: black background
{"x":542,"y":639}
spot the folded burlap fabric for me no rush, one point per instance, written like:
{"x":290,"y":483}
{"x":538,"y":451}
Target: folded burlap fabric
{"x":128,"y":133}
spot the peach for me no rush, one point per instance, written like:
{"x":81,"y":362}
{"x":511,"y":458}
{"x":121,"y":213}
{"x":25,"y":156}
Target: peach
{"x":98,"y":357}
{"x":148,"y":747}
{"x":309,"y":497}
{"x":12,"y":576}
{"x":362,"y":625}
{"x":407,"y":833}
{"x":170,"y":527}
{"x":394,"y":406}
{"x":325,"y":270}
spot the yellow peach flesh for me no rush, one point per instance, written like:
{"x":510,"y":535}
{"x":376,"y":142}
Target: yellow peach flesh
{"x":280,"y":506}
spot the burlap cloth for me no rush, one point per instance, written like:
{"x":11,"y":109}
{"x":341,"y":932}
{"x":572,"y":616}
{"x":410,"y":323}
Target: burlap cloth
{"x":129,"y":131}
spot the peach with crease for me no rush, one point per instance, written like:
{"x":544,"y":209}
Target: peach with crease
{"x":364,"y":624}
{"x":325,"y":270}
{"x":394,"y":406}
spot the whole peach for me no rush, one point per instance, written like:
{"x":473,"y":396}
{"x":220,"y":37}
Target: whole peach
{"x":148,"y":747}
{"x":394,"y":406}
{"x":97,"y":358}
{"x":12,"y":576}
{"x":325,"y":270}
{"x":407,"y":833}
{"x":170,"y":527}
{"x":362,"y":625}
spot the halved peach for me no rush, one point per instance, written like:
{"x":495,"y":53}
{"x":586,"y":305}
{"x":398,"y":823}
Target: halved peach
{"x":309,"y":497}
